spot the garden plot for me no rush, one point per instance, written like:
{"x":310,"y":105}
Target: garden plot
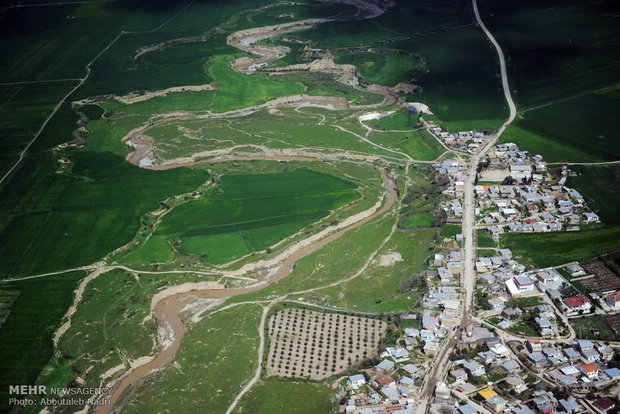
{"x":318,"y":345}
{"x":604,"y":279}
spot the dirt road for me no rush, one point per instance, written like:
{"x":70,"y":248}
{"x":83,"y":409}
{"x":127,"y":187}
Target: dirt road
{"x":468,"y":281}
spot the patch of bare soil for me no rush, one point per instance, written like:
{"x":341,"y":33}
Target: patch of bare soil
{"x":390,"y":259}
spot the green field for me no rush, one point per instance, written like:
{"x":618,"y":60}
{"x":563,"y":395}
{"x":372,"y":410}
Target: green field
{"x":384,"y":288}
{"x":23,"y":109}
{"x":552,"y":151}
{"x":584,"y":326}
{"x":555,"y":50}
{"x":247,"y":213}
{"x":450,"y":230}
{"x":269,"y":396}
{"x":400,"y":120}
{"x":55,"y":221}
{"x":217,"y":356}
{"x":485,"y":239}
{"x":107,"y":325}
{"x":580,"y":129}
{"x":552,"y":249}
{"x":403,"y":18}
{"x":419,"y":144}
{"x":26,"y":336}
{"x":462,"y":87}
{"x":563,"y":70}
{"x":381,"y":68}
{"x":418,"y":220}
{"x":600,"y":186}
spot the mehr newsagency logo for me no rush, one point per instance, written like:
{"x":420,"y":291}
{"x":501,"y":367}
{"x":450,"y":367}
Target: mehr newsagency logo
{"x":23,"y":395}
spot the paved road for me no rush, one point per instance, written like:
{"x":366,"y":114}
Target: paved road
{"x":468,"y":280}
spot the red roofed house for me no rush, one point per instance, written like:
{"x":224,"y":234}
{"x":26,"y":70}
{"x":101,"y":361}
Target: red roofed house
{"x":613,"y":300}
{"x":577,"y":303}
{"x":604,"y":404}
{"x":384,"y":380}
{"x":591,"y":370}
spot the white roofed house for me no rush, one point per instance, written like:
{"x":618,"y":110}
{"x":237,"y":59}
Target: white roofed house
{"x":439,"y":259}
{"x":544,"y":326}
{"x":356,"y":381}
{"x":445,"y":275}
{"x":474,"y":368}
{"x":398,"y":354}
{"x":520,"y":170}
{"x":520,"y":285}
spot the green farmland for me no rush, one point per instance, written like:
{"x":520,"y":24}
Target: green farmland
{"x":26,"y":336}
{"x":600,"y":185}
{"x":552,"y":249}
{"x":381,"y":68}
{"x":55,"y":221}
{"x":565,"y":80}
{"x":272,"y":396}
{"x":247,"y":213}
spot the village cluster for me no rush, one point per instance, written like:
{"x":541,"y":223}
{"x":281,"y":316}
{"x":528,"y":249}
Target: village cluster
{"x":521,"y":353}
{"x":515,"y":193}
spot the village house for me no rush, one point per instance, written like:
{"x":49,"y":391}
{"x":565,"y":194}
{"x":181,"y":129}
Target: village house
{"x":474,"y":368}
{"x":578,"y":303}
{"x":398,"y":354}
{"x":613,"y":300}
{"x":458,"y":375}
{"x":590,"y":370}
{"x":356,"y":381}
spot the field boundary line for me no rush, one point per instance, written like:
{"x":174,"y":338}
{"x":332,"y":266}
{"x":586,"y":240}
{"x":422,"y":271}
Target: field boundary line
{"x":81,"y":82}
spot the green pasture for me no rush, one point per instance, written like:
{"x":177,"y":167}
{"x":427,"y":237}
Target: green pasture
{"x":217,"y":357}
{"x":381,"y":68}
{"x":401,"y":120}
{"x":418,"y":220}
{"x":55,"y":221}
{"x":273,"y":396}
{"x":419,"y":144}
{"x":600,"y":186}
{"x":326,"y":84}
{"x":107,"y":325}
{"x":338,"y":260}
{"x":247,"y":213}
{"x":235,"y":90}
{"x":26,"y":337}
{"x":285,"y":129}
{"x":552,"y":249}
{"x":383,"y":288}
